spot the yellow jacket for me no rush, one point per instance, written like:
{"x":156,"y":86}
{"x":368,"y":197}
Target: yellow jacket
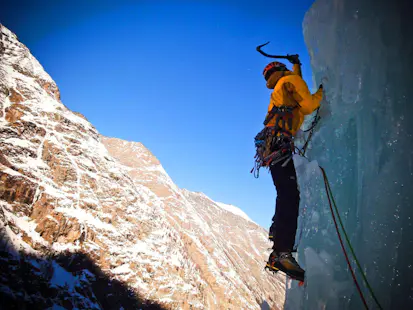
{"x":290,"y":90}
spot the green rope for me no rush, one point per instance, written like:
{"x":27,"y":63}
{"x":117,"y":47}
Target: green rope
{"x":351,"y":247}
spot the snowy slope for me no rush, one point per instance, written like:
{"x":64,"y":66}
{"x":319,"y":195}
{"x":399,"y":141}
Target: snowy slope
{"x":233,"y":209}
{"x":65,"y":189}
{"x":229,"y":251}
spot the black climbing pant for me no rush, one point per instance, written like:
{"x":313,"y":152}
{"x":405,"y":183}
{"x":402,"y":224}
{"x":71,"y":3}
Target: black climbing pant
{"x":284,"y":224}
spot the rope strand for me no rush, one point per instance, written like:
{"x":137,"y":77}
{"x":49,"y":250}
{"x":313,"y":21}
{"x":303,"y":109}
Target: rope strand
{"x":348,"y":240}
{"x":342,"y":244}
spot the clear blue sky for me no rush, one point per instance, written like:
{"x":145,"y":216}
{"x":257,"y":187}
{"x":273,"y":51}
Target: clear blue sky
{"x":182,"y":77}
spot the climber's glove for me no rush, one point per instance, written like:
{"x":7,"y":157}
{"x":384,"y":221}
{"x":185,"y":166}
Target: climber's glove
{"x":294,"y":59}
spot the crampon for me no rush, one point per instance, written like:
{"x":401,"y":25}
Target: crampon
{"x":274,"y":270}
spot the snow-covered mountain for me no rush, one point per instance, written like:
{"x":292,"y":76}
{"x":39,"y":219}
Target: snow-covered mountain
{"x":91,"y":222}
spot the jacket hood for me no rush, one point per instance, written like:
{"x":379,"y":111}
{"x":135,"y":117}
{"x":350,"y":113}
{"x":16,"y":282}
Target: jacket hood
{"x":275,"y":77}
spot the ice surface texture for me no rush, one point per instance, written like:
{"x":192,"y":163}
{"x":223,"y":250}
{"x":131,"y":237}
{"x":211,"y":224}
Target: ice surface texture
{"x":362,"y":51}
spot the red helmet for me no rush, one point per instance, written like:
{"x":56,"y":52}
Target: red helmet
{"x":272,"y":67}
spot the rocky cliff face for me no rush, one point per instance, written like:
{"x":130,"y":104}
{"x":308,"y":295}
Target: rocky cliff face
{"x":93,"y":222}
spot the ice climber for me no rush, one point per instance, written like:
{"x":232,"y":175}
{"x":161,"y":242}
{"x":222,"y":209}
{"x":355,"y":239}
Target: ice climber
{"x":290,"y":101}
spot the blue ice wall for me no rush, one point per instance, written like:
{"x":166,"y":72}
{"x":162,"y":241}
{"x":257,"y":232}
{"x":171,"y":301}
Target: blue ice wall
{"x":362,"y":51}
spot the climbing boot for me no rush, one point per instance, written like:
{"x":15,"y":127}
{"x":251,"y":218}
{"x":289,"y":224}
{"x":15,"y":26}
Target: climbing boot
{"x":285,"y":262}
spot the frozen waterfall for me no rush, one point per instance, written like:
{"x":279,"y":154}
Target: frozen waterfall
{"x":362,"y":51}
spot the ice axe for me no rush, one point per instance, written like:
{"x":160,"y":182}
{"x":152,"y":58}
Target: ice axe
{"x":291,"y":58}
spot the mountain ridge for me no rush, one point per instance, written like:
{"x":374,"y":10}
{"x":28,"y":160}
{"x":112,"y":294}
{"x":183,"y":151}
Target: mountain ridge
{"x":65,"y":189}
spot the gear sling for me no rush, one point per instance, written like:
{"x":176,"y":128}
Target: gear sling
{"x":274,"y":143}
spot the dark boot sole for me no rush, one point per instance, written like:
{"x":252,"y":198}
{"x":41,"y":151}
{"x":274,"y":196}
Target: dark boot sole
{"x":275,"y":269}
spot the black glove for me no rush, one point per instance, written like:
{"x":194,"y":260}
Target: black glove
{"x":294,"y":59}
{"x":321,"y":86}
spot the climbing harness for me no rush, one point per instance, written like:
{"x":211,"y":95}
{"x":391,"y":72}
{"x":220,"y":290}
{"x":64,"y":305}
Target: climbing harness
{"x":283,"y":114}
